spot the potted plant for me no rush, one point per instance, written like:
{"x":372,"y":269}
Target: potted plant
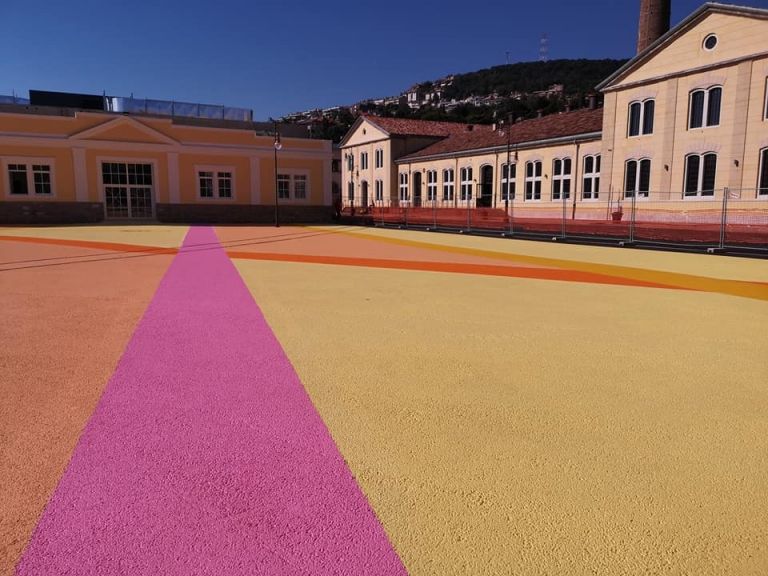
{"x":617,"y":213}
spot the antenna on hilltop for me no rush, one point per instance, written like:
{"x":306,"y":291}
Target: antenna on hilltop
{"x":507,"y":57}
{"x":544,"y":48}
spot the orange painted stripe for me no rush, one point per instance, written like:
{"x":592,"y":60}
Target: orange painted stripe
{"x":92,"y":244}
{"x":452,"y":267}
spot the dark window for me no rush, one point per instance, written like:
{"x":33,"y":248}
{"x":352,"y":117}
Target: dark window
{"x":648,"y":110}
{"x":713,"y":110}
{"x":42,"y":178}
{"x":18,"y":178}
{"x":637,"y":178}
{"x":206,"y":184}
{"x":641,"y":117}
{"x":697,"y":109}
{"x":705,"y":107}
{"x":635,"y":110}
{"x":630,"y":178}
{"x":644,"y":184}
{"x":708,"y":175}
{"x":700,"y":173}
{"x":692,"y":175}
{"x":763,"y":185}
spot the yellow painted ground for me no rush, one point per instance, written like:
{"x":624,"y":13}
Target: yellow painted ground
{"x":708,"y":265}
{"x":518,"y":426}
{"x":163,"y":236}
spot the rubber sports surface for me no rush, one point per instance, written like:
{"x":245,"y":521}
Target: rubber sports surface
{"x":245,"y":400}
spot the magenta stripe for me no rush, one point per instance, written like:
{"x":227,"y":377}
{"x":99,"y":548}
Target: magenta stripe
{"x":205,"y":454}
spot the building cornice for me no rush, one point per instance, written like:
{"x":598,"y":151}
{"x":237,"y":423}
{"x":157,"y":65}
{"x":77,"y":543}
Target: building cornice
{"x":685,"y":73}
{"x":677,"y":31}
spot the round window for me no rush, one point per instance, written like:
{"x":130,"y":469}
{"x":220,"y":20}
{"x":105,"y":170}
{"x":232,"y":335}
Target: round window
{"x":710,"y":42}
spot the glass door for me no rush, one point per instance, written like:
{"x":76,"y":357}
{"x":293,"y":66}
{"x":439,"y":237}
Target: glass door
{"x":127,"y":190}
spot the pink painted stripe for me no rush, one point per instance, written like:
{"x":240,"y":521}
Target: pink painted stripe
{"x":205,"y":455}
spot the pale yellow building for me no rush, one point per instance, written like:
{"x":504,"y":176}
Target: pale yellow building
{"x":66,"y":165}
{"x":684,"y":126}
{"x":687,"y":118}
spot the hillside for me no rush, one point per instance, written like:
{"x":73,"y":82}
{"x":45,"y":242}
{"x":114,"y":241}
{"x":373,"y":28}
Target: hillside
{"x":577,"y":76}
{"x":520,"y":90}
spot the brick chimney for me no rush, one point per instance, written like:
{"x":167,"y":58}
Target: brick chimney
{"x":654,"y":22}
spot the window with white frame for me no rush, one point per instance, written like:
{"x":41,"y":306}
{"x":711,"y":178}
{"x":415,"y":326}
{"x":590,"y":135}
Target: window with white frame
{"x":508,"y":181}
{"x":466,"y":184}
{"x":378,"y":186}
{"x":700,"y":172}
{"x":431,"y":185}
{"x":449,"y":184}
{"x":641,"y":117}
{"x":215,"y":183}
{"x":295,"y":186}
{"x":637,"y":178}
{"x":350,"y":162}
{"x":283,"y":186}
{"x":590,"y":189}
{"x":378,"y":157}
{"x":704,"y":107}
{"x":765,"y":105}
{"x":533,"y":180}
{"x":350,"y":191}
{"x":363,"y":160}
{"x":300,"y":186}
{"x":33,"y":178}
{"x":403,"y":186}
{"x":561,"y":178}
{"x":762,"y":181}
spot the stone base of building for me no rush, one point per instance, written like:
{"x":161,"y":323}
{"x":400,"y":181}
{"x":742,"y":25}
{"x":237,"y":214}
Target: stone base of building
{"x":51,"y":212}
{"x":91,"y":212}
{"x":241,"y":214}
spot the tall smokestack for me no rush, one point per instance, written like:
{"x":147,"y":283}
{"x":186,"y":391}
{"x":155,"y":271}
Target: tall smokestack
{"x":654,"y":22}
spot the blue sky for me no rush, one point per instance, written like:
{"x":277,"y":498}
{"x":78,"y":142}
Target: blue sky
{"x":281,"y":56}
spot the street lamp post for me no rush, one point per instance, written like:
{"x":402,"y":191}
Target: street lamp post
{"x":508,"y":201}
{"x":278,"y":146}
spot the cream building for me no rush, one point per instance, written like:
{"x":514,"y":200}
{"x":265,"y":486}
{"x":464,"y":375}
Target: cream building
{"x":682,"y":123}
{"x":688,"y":117}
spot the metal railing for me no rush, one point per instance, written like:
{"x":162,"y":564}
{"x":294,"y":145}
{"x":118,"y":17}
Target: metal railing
{"x":719,"y":219}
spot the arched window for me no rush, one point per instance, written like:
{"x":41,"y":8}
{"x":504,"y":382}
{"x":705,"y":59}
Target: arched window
{"x":404,"y":186}
{"x":508,"y":181}
{"x":533,"y":180}
{"x":700,"y":172}
{"x":637,"y":178}
{"x":704,"y":107}
{"x":762,"y":186}
{"x":591,"y":182}
{"x":379,"y":190}
{"x":561,"y":178}
{"x":448,"y":184}
{"x":431,"y":185}
{"x":378,"y":158}
{"x":466,"y":184}
{"x":641,"y":117}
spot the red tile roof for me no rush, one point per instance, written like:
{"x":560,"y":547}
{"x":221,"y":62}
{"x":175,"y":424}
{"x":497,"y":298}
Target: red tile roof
{"x":407,"y":127}
{"x":552,"y":126}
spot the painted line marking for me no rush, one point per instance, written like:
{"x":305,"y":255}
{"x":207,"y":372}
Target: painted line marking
{"x":205,"y":455}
